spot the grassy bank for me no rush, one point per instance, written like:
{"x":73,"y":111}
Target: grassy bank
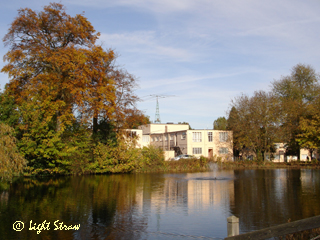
{"x":183,"y":165}
{"x":267,"y":164}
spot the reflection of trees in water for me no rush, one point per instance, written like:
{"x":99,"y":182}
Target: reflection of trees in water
{"x":101,"y":204}
{"x":270,"y":197}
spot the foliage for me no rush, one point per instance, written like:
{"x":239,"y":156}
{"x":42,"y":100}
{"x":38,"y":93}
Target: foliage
{"x":66,"y":98}
{"x":54,"y":54}
{"x":9,"y":113}
{"x":11,"y":162}
{"x":115,"y":157}
{"x":134,"y":118}
{"x":152,"y":156}
{"x":295,"y":92}
{"x":254,"y":121}
{"x":309,"y":126}
{"x":220,"y":124}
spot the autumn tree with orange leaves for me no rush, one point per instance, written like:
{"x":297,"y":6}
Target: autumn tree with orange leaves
{"x":54,"y":57}
{"x":62,"y":84}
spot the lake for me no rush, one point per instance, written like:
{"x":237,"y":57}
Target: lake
{"x":157,"y":205}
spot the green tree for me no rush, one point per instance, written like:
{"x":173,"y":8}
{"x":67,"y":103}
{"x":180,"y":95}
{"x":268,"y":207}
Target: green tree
{"x":309,"y":126}
{"x":220,"y":124}
{"x":9,"y":113}
{"x":254,"y":121}
{"x":295,"y":92}
{"x":238,"y":135}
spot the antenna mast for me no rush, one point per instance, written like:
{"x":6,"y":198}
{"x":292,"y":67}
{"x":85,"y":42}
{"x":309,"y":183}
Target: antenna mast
{"x":157,"y":117}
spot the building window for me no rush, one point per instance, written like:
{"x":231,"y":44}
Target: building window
{"x":277,"y":145}
{"x":166,"y":138}
{"x":223,"y":150}
{"x":209,"y":136}
{"x":145,"y":138}
{"x":171,"y":137}
{"x":196,"y":150}
{"x":157,"y":139}
{"x":223,"y":136}
{"x":183,"y":135}
{"x":152,"y":139}
{"x":196,"y":137}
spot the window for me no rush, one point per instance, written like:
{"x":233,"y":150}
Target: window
{"x":152,"y":139}
{"x":171,"y":137}
{"x":183,"y":135}
{"x":223,"y":136}
{"x":196,"y":150}
{"x":157,"y":139}
{"x":196,"y":137}
{"x":145,"y":138}
{"x":223,"y":150}
{"x":166,"y":138}
{"x":209,"y":136}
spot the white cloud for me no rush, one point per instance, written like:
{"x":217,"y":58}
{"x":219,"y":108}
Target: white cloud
{"x":144,"y":42}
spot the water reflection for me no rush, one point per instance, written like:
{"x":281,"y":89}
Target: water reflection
{"x":159,"y":206}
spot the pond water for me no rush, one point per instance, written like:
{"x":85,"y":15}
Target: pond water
{"x":157,"y":205}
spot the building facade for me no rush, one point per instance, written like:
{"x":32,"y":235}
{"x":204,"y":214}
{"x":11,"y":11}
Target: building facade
{"x":177,"y":139}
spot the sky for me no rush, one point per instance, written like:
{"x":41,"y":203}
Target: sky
{"x":197,"y":54}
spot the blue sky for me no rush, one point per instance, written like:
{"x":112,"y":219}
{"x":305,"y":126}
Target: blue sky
{"x":205,"y":52}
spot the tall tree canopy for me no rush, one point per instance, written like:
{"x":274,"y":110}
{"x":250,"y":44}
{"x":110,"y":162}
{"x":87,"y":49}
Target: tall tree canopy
{"x":58,"y":78}
{"x":254,"y":121}
{"x":295,"y":93}
{"x":53,"y":57}
{"x":220,"y":124}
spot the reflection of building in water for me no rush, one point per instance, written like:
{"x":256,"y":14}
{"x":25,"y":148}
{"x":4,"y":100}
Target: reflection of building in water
{"x":280,"y":183}
{"x":308,"y":180}
{"x":205,"y":193}
{"x":187,"y":194}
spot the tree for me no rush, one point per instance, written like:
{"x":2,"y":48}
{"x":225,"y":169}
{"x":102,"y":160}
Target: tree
{"x":309,"y":126}
{"x":254,"y":121}
{"x":220,"y":124}
{"x":53,"y":56}
{"x":295,"y":92}
{"x":57,"y":75}
{"x":8,"y":110}
{"x":238,"y":135}
{"x":11,"y":162}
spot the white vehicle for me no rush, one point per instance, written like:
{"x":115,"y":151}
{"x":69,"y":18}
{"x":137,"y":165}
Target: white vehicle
{"x":183,"y":156}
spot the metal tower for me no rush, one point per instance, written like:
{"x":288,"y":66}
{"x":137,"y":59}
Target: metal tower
{"x":157,"y":116}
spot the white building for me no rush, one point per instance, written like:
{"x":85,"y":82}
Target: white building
{"x":176,"y":139}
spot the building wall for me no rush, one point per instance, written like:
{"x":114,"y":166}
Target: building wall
{"x":156,"y":128}
{"x":135,"y":133}
{"x":178,"y":137}
{"x":209,"y":143}
{"x":279,"y":155}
